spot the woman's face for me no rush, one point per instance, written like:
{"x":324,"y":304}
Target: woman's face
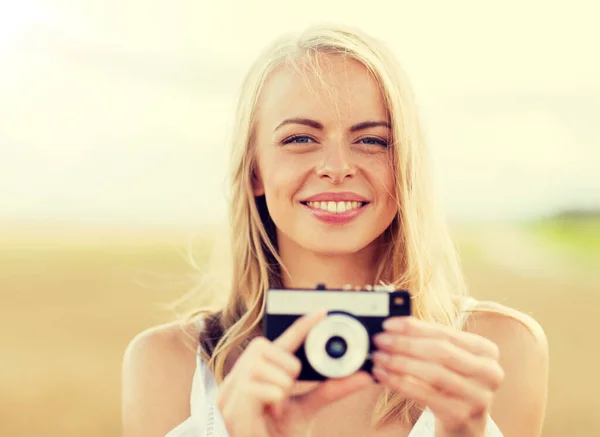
{"x":323,"y":162}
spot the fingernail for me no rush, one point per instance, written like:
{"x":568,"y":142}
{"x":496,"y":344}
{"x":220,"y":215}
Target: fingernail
{"x":383,"y":340}
{"x":379,"y":372}
{"x":381,"y":357}
{"x":394,"y":323}
{"x":318,"y":313}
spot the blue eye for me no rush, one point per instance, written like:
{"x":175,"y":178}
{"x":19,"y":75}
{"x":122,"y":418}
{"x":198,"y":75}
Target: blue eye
{"x":298,"y":139}
{"x":371,"y":141}
{"x":305,"y":139}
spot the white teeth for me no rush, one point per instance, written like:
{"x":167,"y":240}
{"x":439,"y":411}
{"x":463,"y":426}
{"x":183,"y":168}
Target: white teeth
{"x":335,"y":207}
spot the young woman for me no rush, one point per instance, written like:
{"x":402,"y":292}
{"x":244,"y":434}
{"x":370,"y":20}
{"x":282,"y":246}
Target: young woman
{"x":330,"y":184}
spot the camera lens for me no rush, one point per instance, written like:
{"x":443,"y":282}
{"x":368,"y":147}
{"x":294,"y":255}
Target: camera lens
{"x":336,"y":347}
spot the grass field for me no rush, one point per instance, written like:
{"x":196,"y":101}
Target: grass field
{"x":71,"y":300}
{"x":577,"y":236}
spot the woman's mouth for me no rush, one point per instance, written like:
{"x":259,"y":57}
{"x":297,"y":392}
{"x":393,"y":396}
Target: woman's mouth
{"x":335,"y":207}
{"x":335,"y":213}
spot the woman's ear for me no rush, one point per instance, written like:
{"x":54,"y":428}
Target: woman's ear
{"x":257,"y":186}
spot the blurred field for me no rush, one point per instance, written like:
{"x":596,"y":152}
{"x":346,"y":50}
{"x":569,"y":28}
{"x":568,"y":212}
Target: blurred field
{"x":71,"y":300}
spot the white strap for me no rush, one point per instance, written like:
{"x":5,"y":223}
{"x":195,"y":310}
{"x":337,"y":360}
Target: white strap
{"x":425,"y":426}
{"x":467,"y":305}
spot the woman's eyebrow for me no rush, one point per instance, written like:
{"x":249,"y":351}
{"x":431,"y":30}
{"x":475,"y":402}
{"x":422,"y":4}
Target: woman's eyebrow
{"x":368,"y":124}
{"x":305,"y":121}
{"x":317,"y":125}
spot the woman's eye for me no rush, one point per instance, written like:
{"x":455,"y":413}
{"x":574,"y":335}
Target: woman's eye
{"x":305,"y":139}
{"x":298,"y":139}
{"x":374,"y":141}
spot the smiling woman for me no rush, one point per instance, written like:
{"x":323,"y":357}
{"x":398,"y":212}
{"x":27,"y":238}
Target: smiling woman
{"x":331,"y":185}
{"x":345,"y":143}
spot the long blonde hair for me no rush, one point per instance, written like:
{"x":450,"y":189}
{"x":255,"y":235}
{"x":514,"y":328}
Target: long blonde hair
{"x":420,"y":257}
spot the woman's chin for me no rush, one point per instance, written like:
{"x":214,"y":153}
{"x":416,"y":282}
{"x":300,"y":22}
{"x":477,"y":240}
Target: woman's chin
{"x":325,"y":242}
{"x":335,"y":247}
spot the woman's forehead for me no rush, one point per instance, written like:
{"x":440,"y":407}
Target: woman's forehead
{"x":338,"y":89}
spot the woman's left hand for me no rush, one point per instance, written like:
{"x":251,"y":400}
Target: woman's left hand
{"x":454,"y":373}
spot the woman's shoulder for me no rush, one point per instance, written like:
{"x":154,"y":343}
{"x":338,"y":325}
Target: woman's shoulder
{"x":503,"y":323}
{"x":523,"y":355}
{"x":176,"y":339}
{"x":157,"y":373}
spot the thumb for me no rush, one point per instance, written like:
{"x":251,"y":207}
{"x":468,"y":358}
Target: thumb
{"x":333,"y":390}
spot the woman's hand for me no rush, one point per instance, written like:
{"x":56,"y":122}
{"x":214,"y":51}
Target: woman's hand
{"x":454,"y":373}
{"x":255,"y":397}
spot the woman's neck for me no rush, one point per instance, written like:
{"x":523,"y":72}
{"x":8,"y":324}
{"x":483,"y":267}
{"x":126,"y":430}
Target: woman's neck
{"x":306,"y":269}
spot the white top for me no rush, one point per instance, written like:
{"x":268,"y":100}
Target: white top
{"x":206,"y":421}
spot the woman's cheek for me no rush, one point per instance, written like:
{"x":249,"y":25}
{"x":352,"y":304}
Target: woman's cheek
{"x":291,"y":168}
{"x":381,"y":173}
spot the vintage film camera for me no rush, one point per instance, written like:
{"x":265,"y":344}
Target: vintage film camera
{"x":342,"y":343}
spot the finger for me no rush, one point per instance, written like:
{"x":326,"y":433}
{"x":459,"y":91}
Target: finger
{"x":278,"y":409}
{"x":435,"y":375}
{"x":266,"y":372}
{"x":224,"y":390}
{"x":414,"y":327}
{"x":443,"y":352}
{"x":253,"y":395}
{"x":264,"y":393}
{"x":292,"y":337}
{"x":263,"y":348}
{"x":440,"y":404}
{"x":284,"y":359}
{"x":252,"y":353}
{"x":333,"y":390}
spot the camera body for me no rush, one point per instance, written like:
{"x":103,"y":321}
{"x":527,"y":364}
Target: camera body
{"x":342,"y":343}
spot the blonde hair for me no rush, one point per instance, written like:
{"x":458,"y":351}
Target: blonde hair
{"x":420,"y":257}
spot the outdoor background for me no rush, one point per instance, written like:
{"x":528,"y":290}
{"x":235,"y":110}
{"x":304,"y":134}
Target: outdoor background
{"x":114,"y":121}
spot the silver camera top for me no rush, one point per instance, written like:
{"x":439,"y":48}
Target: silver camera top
{"x":292,"y":301}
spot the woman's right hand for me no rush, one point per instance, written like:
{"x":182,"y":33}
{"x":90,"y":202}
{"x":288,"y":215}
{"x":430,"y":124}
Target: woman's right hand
{"x":255,"y":397}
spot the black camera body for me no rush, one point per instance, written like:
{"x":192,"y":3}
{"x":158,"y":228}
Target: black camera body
{"x":342,"y":343}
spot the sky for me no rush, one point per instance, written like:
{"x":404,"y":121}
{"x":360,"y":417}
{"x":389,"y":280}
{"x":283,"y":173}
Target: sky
{"x":119,"y":112}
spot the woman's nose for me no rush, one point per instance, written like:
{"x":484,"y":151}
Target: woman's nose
{"x":336,"y":163}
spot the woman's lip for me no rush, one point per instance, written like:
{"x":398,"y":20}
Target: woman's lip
{"x":345,"y":196}
{"x":335,"y":217}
